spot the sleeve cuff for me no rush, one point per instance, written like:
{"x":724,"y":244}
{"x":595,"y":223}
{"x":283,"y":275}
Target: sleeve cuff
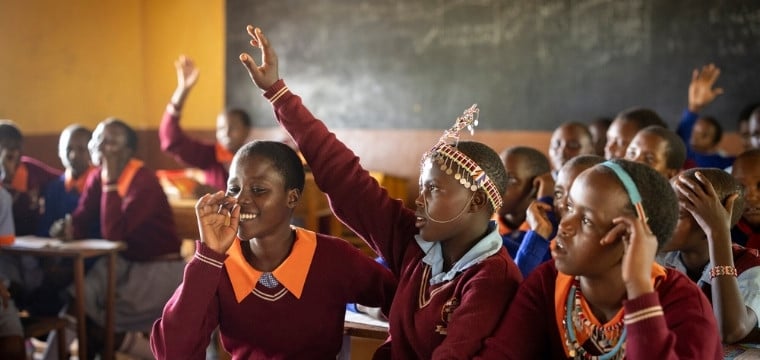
{"x":277,"y":91}
{"x":644,"y":310}
{"x":204,"y":254}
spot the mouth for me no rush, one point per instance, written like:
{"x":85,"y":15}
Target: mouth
{"x":420,"y":221}
{"x":557,"y":248}
{"x":752,"y":211}
{"x":247,"y":216}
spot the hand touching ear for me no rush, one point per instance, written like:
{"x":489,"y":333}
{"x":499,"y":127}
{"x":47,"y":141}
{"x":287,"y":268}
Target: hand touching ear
{"x":640,"y":248}
{"x":265,"y":75}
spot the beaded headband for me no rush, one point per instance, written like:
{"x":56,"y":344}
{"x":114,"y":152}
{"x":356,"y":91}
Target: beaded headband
{"x":630,"y":188}
{"x":469,"y":173}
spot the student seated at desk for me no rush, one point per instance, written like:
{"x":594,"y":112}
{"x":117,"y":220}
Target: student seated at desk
{"x":455,"y":278}
{"x":274,"y":290}
{"x":25,"y":178}
{"x":127,"y":200}
{"x":11,"y":332}
{"x":232,"y":130}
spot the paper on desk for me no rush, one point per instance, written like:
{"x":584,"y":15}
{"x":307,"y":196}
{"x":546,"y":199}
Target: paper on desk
{"x":364,"y":319}
{"x":36,"y":242}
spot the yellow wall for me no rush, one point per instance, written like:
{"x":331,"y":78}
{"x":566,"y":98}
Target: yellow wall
{"x":84,"y":60}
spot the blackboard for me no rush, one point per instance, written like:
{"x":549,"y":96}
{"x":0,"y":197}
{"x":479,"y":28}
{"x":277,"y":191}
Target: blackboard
{"x":529,"y":64}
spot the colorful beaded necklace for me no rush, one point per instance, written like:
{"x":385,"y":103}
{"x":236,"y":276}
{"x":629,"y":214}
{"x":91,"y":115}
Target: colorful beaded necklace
{"x":602,"y":337}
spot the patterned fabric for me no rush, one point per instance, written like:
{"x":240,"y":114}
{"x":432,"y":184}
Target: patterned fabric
{"x":268,"y":280}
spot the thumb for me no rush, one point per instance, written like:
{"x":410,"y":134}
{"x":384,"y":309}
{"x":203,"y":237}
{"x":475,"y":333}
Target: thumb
{"x":718,"y":91}
{"x":729,"y":206}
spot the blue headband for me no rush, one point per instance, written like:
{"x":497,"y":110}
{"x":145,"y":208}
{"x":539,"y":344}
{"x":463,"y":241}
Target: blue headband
{"x":630,"y":187}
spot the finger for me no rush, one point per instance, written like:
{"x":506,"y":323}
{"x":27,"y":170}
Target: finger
{"x":235,"y":216}
{"x":694,"y":75}
{"x":707,"y":186}
{"x":718,"y":91}
{"x":614,"y":234}
{"x":543,"y":206}
{"x":249,"y":64}
{"x":685,"y":193}
{"x":635,"y":225}
{"x":268,"y":56}
{"x":730,"y":204}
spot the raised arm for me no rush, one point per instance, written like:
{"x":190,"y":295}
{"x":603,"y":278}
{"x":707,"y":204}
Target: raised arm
{"x":701,"y":94}
{"x":355,"y":197}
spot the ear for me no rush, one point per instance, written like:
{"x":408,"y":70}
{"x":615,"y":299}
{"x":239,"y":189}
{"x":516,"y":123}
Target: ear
{"x":479,"y":201}
{"x":293,"y":196}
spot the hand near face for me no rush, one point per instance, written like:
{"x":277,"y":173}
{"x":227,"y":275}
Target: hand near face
{"x":640,"y":248}
{"x":544,"y":185}
{"x":699,"y":198}
{"x":537,"y":218}
{"x":218,"y":220}
{"x":266,"y":75}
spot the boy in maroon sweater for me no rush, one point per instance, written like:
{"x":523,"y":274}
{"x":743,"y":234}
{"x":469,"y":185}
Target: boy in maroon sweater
{"x":232,"y":130}
{"x":603,"y":294}
{"x":275,"y":291}
{"x":455,"y":278}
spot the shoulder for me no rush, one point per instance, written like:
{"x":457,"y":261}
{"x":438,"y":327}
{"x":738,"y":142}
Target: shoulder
{"x":677,"y":289}
{"x":497,"y":268}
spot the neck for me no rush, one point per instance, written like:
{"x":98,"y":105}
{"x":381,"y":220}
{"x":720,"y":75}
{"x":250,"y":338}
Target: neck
{"x":453,"y":249}
{"x":267,"y":253}
{"x":695,"y":259}
{"x":604,"y":294}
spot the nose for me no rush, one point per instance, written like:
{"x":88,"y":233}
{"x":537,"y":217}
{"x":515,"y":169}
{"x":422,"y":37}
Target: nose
{"x":419,"y":201}
{"x":566,"y":228}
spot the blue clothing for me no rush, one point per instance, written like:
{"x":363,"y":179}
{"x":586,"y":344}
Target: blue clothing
{"x":58,"y":203}
{"x":685,"y":127}
{"x":534,"y":248}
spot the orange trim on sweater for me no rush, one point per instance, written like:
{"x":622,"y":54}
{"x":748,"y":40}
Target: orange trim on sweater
{"x":70,"y":183}
{"x":223,"y":155}
{"x":20,"y":180}
{"x":7,"y":239}
{"x":125,"y":179}
{"x":504,"y":229}
{"x":291,"y":273}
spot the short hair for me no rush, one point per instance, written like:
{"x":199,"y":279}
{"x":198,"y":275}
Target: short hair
{"x":585,"y":161}
{"x":537,"y":162}
{"x":283,"y":158}
{"x":725,"y":185}
{"x":716,"y":125}
{"x":9,"y":131}
{"x":489,"y":161}
{"x":676,"y":149}
{"x":580,"y":126}
{"x":128,"y":131}
{"x":601,"y":121}
{"x":642,"y":117}
{"x":242,"y":114}
{"x":747,"y":111}
{"x":749,"y":155}
{"x":657,"y":197}
{"x":74,"y":129}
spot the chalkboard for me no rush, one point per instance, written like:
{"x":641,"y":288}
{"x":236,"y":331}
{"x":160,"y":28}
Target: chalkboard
{"x":529,"y":64}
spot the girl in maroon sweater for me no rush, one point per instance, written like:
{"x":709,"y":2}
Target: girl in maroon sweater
{"x":603,"y":296}
{"x":275,"y":291}
{"x":455,"y":278}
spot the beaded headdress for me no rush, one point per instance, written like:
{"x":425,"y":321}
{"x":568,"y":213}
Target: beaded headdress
{"x":467,"y":171}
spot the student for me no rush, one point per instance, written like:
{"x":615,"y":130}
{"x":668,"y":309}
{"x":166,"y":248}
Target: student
{"x":746,"y":170}
{"x":625,"y":126}
{"x":603,"y":294}
{"x":598,"y":129}
{"x":568,"y":141}
{"x":62,"y":195}
{"x":703,"y":134}
{"x":534,"y":249}
{"x":301,"y":280}
{"x":754,"y":129}
{"x":128,"y":201}
{"x":454,"y":277}
{"x":524,"y":166}
{"x":11,"y":332}
{"x":742,"y":124}
{"x":232,"y":130}
{"x":658,"y":148}
{"x":25,"y":178}
{"x":711,"y":202}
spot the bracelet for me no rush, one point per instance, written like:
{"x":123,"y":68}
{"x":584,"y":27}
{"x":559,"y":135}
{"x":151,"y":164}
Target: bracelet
{"x":110,"y":187}
{"x":724,"y":270}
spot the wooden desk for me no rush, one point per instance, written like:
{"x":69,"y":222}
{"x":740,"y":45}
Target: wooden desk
{"x":78,"y":250}
{"x":362,"y":335}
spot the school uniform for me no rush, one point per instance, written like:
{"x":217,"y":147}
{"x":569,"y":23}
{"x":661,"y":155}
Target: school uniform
{"x":27,"y":186}
{"x":149,"y":270}
{"x":209,"y":157}
{"x":695,"y":159}
{"x":747,"y":263}
{"x":743,"y":234}
{"x":531,"y":329}
{"x":10,"y":323}
{"x":435,"y":313}
{"x":531,"y":249}
{"x":294,"y":312}
{"x":61,"y":198}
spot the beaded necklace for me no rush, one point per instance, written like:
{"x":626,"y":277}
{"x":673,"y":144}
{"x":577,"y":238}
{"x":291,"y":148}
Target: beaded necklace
{"x":602,"y":337}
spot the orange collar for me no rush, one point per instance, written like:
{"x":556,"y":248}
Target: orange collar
{"x":504,"y":229}
{"x":223,"y":155}
{"x":125,"y":179}
{"x":291,"y":273}
{"x":562,"y":291}
{"x":20,"y":180}
{"x":77,"y":184}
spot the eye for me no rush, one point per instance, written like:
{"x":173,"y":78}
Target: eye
{"x":232,"y":190}
{"x":586,"y":221}
{"x":258,"y":190}
{"x":558,"y":194}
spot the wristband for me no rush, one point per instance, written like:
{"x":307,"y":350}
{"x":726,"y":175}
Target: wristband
{"x":722,"y":271}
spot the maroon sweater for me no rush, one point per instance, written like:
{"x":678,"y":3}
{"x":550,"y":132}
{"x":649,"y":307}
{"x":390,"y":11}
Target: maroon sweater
{"x":447,"y":320}
{"x":26,"y":206}
{"x":192,"y":152}
{"x":687,"y":331}
{"x":282,"y":327}
{"x":142,"y":218}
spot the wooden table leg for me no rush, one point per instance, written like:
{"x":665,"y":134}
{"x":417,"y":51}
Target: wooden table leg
{"x":81,"y":316}
{"x":108,"y":353}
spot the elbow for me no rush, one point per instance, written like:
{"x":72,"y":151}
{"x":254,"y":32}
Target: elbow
{"x":734,"y":335}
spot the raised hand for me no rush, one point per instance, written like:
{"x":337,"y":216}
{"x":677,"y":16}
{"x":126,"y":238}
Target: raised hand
{"x":701,"y":91}
{"x":187,"y":72}
{"x":266,"y":75}
{"x":537,"y":218}
{"x":218,"y":220}
{"x":699,"y":198}
{"x":640,"y":248}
